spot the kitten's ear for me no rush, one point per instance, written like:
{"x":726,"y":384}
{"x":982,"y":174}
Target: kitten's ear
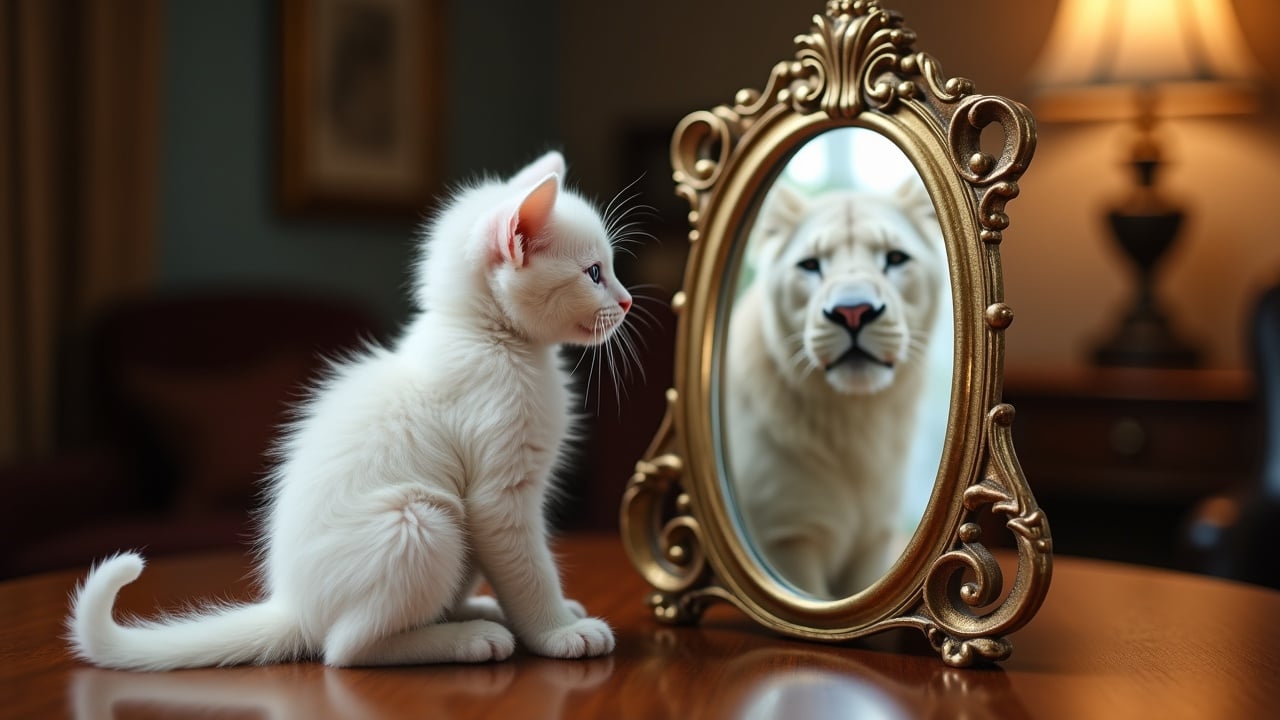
{"x":550,"y":164}
{"x":519,"y":230}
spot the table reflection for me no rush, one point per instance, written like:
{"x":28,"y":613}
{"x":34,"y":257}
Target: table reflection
{"x":315,"y":692}
{"x":793,"y":682}
{"x":819,"y":694}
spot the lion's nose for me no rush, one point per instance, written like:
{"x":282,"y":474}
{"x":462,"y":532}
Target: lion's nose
{"x":855,"y":316}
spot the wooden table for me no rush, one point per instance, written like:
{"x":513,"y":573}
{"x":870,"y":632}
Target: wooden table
{"x":1112,"y":641}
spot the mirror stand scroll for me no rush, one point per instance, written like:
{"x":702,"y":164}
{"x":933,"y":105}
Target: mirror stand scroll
{"x":681,"y":520}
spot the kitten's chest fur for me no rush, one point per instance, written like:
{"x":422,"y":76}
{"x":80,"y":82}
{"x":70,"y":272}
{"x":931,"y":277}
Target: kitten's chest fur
{"x":539,"y":416}
{"x":514,"y":418}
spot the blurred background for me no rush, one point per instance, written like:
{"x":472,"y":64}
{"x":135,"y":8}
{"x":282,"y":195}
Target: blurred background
{"x":197,"y":197}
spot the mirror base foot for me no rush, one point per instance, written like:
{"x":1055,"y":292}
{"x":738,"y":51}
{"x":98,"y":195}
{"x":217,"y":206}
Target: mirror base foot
{"x":970,"y":651}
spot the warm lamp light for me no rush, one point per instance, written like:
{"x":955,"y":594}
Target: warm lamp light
{"x":1140,"y":60}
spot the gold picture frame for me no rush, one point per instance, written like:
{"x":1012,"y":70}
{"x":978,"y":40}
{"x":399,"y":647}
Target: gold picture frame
{"x":857,"y":67}
{"x":360,"y":122}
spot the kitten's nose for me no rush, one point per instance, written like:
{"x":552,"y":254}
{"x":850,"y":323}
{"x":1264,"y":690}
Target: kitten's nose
{"x":625,"y":304}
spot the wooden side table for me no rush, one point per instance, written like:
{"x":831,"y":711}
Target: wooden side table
{"x":1119,"y":456}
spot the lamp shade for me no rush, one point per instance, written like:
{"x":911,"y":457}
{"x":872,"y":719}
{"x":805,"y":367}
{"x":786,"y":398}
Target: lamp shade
{"x":1188,"y":56}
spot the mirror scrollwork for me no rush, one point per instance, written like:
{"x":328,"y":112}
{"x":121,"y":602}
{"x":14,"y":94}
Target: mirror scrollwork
{"x":854,"y":283}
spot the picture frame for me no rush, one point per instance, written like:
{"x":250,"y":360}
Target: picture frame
{"x":359,"y":128}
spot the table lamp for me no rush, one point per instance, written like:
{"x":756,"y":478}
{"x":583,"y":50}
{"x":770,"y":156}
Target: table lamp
{"x":1141,"y":61}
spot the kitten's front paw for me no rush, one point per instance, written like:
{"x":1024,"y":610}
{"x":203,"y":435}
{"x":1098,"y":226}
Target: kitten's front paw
{"x":575,"y":608}
{"x":587,"y":637}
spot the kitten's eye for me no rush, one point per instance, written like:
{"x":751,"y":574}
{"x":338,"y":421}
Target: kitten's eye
{"x":895,"y":258}
{"x":593,"y":272}
{"x":810,"y":265}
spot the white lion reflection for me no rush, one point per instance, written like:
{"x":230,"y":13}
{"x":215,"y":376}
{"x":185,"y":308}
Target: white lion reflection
{"x":825,"y":369}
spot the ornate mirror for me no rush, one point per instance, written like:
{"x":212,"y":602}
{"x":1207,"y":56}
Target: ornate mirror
{"x":835,"y":459}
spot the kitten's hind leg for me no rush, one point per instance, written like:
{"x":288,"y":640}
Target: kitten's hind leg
{"x":470,"y":606}
{"x":486,"y":607}
{"x":350,"y":644}
{"x":403,"y":560}
{"x":477,"y":607}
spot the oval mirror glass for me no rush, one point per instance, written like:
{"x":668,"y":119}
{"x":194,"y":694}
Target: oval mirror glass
{"x":835,"y":375}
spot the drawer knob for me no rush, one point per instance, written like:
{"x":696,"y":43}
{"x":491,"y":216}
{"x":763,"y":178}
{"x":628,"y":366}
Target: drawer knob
{"x":1127,"y":437}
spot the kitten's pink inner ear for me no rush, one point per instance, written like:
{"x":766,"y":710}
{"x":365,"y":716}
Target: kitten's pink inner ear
{"x":524,"y":232}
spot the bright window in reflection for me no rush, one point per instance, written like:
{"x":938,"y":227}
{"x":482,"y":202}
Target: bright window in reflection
{"x":849,"y":158}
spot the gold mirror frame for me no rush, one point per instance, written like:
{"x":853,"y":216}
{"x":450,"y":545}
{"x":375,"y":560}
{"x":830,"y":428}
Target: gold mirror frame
{"x":856,"y":68}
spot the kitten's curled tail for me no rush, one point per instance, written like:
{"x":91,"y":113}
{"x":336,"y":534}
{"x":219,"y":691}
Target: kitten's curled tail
{"x":219,"y":635}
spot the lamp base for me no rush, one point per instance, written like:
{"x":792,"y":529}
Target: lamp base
{"x":1145,"y":231}
{"x":1146,"y":340}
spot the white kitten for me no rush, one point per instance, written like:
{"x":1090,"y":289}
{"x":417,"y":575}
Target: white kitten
{"x":416,"y":469}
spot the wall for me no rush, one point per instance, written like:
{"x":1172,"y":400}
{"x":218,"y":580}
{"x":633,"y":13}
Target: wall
{"x":584,"y":75}
{"x":624,"y":65}
{"x":218,"y":223}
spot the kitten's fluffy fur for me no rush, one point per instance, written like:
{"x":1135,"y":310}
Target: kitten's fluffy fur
{"x":415,"y":469}
{"x":818,"y":418}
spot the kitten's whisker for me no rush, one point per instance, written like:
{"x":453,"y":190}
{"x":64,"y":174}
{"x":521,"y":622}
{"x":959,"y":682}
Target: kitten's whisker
{"x":645,"y":318}
{"x":640,"y":307}
{"x":617,"y":206}
{"x":613,"y":375}
{"x":614,"y":205}
{"x":627,"y":343}
{"x":622,"y":197}
{"x":591,"y":371}
{"x":601,"y":353}
{"x":642,"y":299}
{"x":632,"y":229}
{"x":639,"y":207}
{"x":625,"y":245}
{"x":634,"y":370}
{"x":618,"y":214}
{"x":641,"y":210}
{"x":634,"y":334}
{"x":634,"y":240}
{"x":581,"y":357}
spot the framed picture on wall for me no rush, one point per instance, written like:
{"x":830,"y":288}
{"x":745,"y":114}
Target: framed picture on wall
{"x":360,"y":128}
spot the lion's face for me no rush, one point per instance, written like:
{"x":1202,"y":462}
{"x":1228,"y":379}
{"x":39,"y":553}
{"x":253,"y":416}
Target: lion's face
{"x":852,"y":281}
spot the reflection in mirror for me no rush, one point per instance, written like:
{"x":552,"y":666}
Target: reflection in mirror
{"x":837,"y":365}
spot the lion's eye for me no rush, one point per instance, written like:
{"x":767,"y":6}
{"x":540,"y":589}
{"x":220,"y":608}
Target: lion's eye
{"x":810,"y":265}
{"x":895,"y":258}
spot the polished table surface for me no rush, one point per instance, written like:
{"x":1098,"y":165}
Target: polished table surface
{"x":1111,"y":641}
